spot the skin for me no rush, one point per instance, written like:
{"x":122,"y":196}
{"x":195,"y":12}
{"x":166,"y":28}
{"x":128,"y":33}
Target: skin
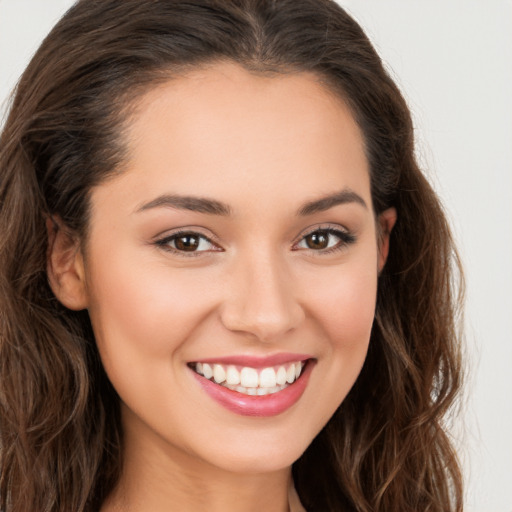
{"x":264,"y":146}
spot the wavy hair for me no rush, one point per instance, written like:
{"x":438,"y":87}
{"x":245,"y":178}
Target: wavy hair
{"x":386,"y":447}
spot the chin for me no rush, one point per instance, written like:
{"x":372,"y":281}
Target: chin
{"x":261,"y":456}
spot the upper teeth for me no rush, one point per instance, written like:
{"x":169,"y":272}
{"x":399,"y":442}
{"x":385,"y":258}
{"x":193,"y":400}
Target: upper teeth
{"x":251,"y":377}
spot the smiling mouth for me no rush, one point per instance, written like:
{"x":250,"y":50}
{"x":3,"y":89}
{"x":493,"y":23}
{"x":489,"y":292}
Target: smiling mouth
{"x":251,"y":381}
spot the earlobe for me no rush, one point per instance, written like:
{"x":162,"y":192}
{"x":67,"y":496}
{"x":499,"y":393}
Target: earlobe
{"x":386,"y":222}
{"x":65,"y":266}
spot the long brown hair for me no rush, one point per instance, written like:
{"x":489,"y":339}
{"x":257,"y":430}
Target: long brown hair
{"x":386,"y":447}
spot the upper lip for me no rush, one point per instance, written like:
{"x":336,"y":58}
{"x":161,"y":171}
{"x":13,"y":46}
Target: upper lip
{"x":257,"y":361}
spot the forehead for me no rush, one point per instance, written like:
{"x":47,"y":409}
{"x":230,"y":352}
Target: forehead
{"x":221,"y":129}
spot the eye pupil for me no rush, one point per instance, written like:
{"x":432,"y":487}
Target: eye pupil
{"x":188,"y":243}
{"x":318,"y":240}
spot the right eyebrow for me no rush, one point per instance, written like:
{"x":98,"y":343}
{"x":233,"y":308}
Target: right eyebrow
{"x":192,"y":203}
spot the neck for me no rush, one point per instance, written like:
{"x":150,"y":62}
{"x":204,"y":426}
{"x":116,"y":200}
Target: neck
{"x":157,"y":477}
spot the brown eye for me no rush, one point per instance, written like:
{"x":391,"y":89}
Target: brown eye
{"x":188,"y":243}
{"x":326,"y":240}
{"x":317,"y":240}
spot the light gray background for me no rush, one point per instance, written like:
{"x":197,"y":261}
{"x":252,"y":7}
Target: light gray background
{"x":453,"y":60}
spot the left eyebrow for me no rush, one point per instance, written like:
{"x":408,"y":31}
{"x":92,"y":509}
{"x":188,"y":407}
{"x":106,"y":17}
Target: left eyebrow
{"x":328,"y":202}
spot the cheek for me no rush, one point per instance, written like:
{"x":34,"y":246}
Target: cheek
{"x":345,"y":307}
{"x":150,"y":311}
{"x":143,"y":322}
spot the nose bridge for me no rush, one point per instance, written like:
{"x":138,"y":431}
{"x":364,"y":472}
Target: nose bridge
{"x":262,"y":301}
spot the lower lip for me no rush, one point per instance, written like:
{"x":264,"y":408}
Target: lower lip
{"x":254,"y":405}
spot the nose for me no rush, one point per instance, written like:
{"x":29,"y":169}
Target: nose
{"x":261,"y":299}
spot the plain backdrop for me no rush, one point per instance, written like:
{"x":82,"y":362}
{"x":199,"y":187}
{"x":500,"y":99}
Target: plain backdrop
{"x":453,"y":61}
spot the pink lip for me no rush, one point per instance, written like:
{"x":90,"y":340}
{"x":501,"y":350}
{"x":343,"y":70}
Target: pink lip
{"x":249,"y":405}
{"x":258,"y":361}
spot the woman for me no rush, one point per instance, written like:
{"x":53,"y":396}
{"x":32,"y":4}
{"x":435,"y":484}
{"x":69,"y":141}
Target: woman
{"x":225,"y":282}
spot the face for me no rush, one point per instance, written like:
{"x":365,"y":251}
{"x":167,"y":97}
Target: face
{"x":238,"y":247}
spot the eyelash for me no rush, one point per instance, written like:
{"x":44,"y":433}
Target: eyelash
{"x":345,"y":239}
{"x":165,"y":242}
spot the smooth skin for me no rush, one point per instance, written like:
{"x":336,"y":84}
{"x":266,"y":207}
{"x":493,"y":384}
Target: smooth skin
{"x":259,"y":274}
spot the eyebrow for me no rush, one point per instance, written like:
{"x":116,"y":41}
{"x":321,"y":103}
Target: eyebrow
{"x":214,"y":207}
{"x":192,"y":203}
{"x":325,"y":203}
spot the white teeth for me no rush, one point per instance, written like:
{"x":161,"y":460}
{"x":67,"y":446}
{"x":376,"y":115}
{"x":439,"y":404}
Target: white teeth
{"x":281,"y":376}
{"x":290,"y":374}
{"x":232,"y":376}
{"x":267,"y":378}
{"x":207,"y":371}
{"x":251,"y":381}
{"x":249,"y":377}
{"x":219,"y":374}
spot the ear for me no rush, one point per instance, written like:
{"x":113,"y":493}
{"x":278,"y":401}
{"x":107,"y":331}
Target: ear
{"x":386,"y":222}
{"x":65,"y":266}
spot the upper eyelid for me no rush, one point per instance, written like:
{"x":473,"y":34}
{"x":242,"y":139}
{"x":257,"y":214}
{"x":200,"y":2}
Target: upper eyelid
{"x":163,"y":241}
{"x":193,"y":230}
{"x":214,"y":240}
{"x":322,"y":227}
